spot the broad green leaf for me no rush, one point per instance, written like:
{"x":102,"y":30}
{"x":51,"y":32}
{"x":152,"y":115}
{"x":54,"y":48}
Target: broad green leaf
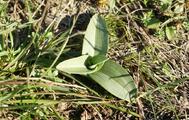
{"x":153,"y":23}
{"x":115,"y":80}
{"x":80,"y":65}
{"x":170,"y":32}
{"x":93,"y":62}
{"x":74,"y":65}
{"x":96,"y":37}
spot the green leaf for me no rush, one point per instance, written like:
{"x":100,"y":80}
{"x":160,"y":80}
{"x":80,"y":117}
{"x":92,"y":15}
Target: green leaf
{"x":82,"y":65}
{"x":153,"y":23}
{"x":96,"y":37}
{"x":74,"y":66}
{"x":93,"y":62}
{"x":115,"y":80}
{"x":170,"y":32}
{"x":145,"y":2}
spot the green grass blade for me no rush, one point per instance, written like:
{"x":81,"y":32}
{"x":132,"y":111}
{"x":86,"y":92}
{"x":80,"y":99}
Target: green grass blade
{"x":64,"y":44}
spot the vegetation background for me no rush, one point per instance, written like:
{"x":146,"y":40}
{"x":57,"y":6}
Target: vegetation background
{"x":148,"y":37}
